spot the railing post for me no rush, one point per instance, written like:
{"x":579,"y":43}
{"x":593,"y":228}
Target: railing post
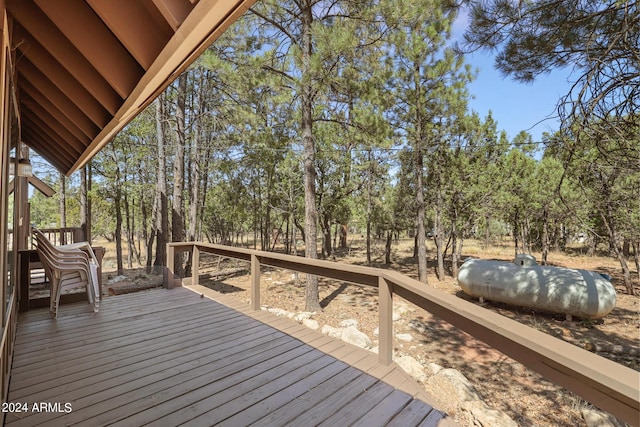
{"x":385,"y":311}
{"x":168,"y":283}
{"x":195,"y":265}
{"x":255,"y":283}
{"x":78,"y":235}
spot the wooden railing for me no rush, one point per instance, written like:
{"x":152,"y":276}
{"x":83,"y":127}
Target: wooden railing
{"x":63,"y":236}
{"x":602,"y":382}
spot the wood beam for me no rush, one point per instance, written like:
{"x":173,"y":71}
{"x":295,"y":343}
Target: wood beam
{"x":53,"y":41}
{"x":45,"y":147}
{"x":88,"y":34}
{"x":158,"y":18}
{"x":84,"y":119}
{"x":173,"y":11}
{"x":47,"y":140}
{"x":79,"y":144}
{"x":29,"y":95}
{"x":41,"y":186}
{"x":134,"y":26}
{"x":29,"y":48}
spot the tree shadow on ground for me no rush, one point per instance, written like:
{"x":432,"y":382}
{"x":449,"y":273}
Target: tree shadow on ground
{"x":493,"y":374}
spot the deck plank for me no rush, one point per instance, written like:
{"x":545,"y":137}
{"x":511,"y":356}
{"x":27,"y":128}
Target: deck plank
{"x":171,"y":357}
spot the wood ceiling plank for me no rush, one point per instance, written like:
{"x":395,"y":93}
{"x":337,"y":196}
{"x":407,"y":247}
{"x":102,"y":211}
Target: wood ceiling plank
{"x":63,"y":79}
{"x":29,"y":95}
{"x":84,"y":29}
{"x":61,"y":128}
{"x":158,"y":17}
{"x":42,"y":30}
{"x":66,"y":142}
{"x":45,"y":146}
{"x":134,"y":26}
{"x":33,"y":76}
{"x":174,"y":11}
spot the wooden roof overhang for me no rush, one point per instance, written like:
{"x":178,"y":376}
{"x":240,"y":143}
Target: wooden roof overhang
{"x":86,"y":68}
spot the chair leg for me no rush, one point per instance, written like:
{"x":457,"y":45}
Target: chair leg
{"x":54,"y":299}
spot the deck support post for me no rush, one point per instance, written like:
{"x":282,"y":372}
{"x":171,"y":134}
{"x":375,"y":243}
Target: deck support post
{"x":385,"y":312}
{"x":195,"y":266}
{"x":169,"y":279}
{"x":255,"y":283}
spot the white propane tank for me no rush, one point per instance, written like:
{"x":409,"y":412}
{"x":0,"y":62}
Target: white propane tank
{"x":579,"y":293}
{"x":525,"y":260}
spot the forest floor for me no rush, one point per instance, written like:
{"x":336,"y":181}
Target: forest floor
{"x":503,"y":383}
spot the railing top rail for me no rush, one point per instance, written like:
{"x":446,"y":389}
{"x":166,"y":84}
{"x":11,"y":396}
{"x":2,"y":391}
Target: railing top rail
{"x":604,"y":383}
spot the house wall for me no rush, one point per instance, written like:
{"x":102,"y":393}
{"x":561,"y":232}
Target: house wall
{"x":9,"y":136}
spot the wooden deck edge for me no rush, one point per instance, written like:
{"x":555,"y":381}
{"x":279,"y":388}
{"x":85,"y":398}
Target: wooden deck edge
{"x":393,"y":374}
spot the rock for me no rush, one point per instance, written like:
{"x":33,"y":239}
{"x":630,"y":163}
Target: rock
{"x":311,"y":324}
{"x":435,"y":368}
{"x":300,"y":317}
{"x":399,"y":310}
{"x":280,"y":312}
{"x":348,"y":323}
{"x":331,"y":331}
{"x":456,"y":384}
{"x":484,"y":416}
{"x":353,"y":336}
{"x":412,"y":367}
{"x":404,"y":337}
{"x":376,"y":331}
{"x":349,"y":335}
{"x":595,"y":418}
{"x":117,"y":279}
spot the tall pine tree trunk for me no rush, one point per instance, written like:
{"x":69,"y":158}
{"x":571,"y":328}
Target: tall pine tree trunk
{"x":85,"y":202}
{"x":152,"y":234}
{"x":63,"y":208}
{"x":118,"y":234}
{"x":177,"y":210}
{"x":194,"y":193}
{"x":312,"y":302}
{"x":439,"y":235}
{"x":545,"y":235}
{"x":421,"y":240}
{"x":194,"y":203}
{"x":162,"y":217}
{"x":636,"y":256}
{"x":369,"y":207}
{"x":607,"y":218}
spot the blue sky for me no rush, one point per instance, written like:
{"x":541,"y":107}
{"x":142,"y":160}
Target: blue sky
{"x":515,"y":106}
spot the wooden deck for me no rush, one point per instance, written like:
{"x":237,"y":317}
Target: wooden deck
{"x":172,"y":357}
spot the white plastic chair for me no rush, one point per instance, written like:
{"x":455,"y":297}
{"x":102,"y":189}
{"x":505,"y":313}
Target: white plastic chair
{"x":68,"y":267}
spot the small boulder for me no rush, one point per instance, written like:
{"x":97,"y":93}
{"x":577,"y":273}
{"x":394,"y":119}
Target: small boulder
{"x":595,"y":418}
{"x":353,"y":336}
{"x":300,"y":317}
{"x":349,"y":323}
{"x":484,"y":416}
{"x":412,"y":367}
{"x":331,"y":331}
{"x":404,"y":337}
{"x":311,"y":324}
{"x":280,"y":312}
